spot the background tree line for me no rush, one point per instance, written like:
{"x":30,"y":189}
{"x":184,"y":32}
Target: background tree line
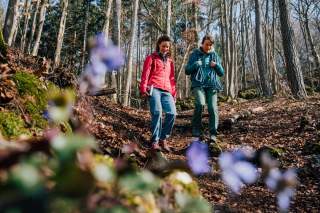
{"x":271,"y":46}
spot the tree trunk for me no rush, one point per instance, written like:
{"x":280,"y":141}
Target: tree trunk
{"x":131,"y":50}
{"x":10,"y":23}
{"x":84,"y":47}
{"x":27,"y":9}
{"x":107,"y":18}
{"x":260,"y":54}
{"x":293,"y":67}
{"x":116,"y":37}
{"x":231,"y":41}
{"x":195,"y":23}
{"x":227,"y":46}
{"x":57,"y":55}
{"x":312,"y":46}
{"x":33,"y":28}
{"x":42,"y":16}
{"x":243,"y":49}
{"x":169,"y":17}
{"x":3,"y":47}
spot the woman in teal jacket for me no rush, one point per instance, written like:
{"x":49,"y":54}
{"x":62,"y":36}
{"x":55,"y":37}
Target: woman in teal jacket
{"x":205,"y":68}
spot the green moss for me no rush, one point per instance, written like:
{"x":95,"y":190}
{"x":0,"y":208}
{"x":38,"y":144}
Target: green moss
{"x":36,"y":96}
{"x":36,"y":114}
{"x":248,"y":94}
{"x":3,"y":46}
{"x":29,"y":84}
{"x":11,"y":125}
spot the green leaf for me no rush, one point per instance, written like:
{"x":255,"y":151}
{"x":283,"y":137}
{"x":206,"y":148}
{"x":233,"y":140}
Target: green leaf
{"x":139,"y":182}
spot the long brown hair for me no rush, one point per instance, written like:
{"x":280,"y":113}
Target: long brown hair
{"x":162,"y":39}
{"x":207,"y":37}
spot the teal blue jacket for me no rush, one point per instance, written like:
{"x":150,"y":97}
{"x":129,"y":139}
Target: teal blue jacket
{"x":202,"y":75}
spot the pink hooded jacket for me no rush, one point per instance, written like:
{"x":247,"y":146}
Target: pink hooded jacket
{"x":158,"y":73}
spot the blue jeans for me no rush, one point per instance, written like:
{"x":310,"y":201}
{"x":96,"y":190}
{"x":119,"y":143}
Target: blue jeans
{"x":161,"y":101}
{"x":205,"y":96}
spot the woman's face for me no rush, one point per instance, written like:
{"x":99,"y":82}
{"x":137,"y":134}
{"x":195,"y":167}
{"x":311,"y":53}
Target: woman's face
{"x":164,"y":47}
{"x":207,"y":46}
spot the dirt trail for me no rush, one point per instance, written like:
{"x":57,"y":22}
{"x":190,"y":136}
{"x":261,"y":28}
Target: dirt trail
{"x":275,"y":123}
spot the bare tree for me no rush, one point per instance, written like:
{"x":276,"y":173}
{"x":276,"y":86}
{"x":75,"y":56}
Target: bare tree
{"x":107,"y":18}
{"x":11,"y":21}
{"x":11,"y":16}
{"x":57,"y":55}
{"x":264,"y":80}
{"x":27,"y":8}
{"x":42,"y":15}
{"x":169,"y":17}
{"x":294,"y":73}
{"x":34,"y":22}
{"x":131,"y":50}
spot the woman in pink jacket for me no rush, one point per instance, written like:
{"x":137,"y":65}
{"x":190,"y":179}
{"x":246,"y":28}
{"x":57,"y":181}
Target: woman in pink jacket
{"x":158,"y":84}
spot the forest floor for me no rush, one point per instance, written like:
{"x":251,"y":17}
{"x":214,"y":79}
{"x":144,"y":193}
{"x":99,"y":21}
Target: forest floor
{"x":287,"y":125}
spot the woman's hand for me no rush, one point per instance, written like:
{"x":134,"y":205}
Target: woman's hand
{"x":144,"y":95}
{"x":213,"y":64}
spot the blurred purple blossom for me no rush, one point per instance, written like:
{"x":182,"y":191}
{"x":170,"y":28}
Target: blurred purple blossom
{"x":236,"y":170}
{"x":104,"y":56}
{"x":45,"y":115}
{"x":197,"y":156}
{"x":283,"y":199}
{"x":284,"y":184}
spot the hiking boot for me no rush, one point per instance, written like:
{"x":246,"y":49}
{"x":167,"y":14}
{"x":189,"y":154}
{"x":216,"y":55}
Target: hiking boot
{"x":156,"y":147}
{"x":214,"y":148}
{"x":164,"y":145}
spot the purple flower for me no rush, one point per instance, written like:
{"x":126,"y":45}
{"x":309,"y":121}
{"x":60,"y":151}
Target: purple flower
{"x":197,"y":157}
{"x":104,"y":56}
{"x":236,"y":170}
{"x":284,"y":184}
{"x":45,"y":115}
{"x":106,"y":52}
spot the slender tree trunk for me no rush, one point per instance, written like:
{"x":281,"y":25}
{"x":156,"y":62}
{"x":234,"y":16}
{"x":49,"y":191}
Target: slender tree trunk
{"x":183,"y":63}
{"x":14,"y":18}
{"x":227,"y":47}
{"x":312,"y":46}
{"x":169,"y":17}
{"x":195,"y":23}
{"x":33,"y":28}
{"x":57,"y":55}
{"x":131,"y":50}
{"x":42,"y":16}
{"x":116,"y":37}
{"x":293,"y":67}
{"x":84,"y":47}
{"x":222,"y":27}
{"x":210,"y":16}
{"x":10,"y":19}
{"x":302,"y":26}
{"x":27,"y":9}
{"x":107,"y":18}
{"x":232,"y":50}
{"x":260,"y":56}
{"x":243,"y":50}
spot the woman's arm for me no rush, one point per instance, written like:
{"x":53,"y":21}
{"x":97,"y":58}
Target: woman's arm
{"x":192,"y":64}
{"x":145,"y":74}
{"x":218,"y":67}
